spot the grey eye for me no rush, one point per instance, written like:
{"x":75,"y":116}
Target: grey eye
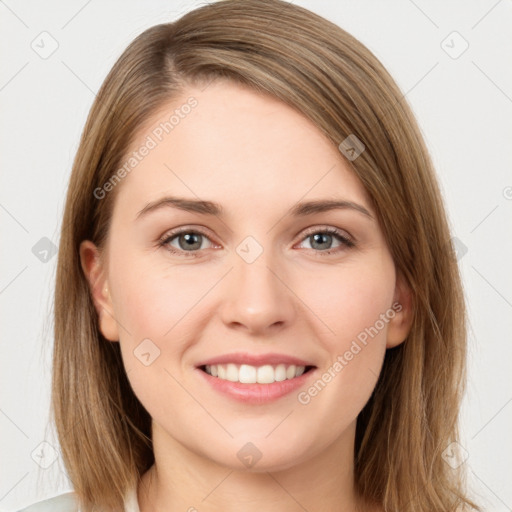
{"x":187,"y":241}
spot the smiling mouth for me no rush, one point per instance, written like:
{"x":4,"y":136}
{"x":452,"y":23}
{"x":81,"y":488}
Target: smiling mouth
{"x":248,"y":374}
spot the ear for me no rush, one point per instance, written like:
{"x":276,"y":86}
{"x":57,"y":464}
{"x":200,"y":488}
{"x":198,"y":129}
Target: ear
{"x":92,"y":267}
{"x":400,"y":325}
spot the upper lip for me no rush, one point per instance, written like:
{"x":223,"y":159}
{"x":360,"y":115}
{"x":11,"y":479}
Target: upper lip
{"x":255,"y":359}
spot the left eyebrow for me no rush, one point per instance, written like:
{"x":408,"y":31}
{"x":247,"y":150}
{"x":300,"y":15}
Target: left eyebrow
{"x":311,"y":207}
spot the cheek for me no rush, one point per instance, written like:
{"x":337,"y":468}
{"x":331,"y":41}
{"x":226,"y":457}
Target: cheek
{"x":153,"y":300}
{"x":351,"y":298}
{"x":155,"y":307}
{"x":351,"y":305}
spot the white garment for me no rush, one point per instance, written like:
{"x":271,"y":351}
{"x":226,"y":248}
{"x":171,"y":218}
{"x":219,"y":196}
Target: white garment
{"x":67,"y":502}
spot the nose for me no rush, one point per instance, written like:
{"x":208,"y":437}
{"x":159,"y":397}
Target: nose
{"x":258,"y":299}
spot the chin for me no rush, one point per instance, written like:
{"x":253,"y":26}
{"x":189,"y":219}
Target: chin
{"x":261,"y":455}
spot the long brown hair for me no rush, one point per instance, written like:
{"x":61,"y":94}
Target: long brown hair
{"x":330,"y":77}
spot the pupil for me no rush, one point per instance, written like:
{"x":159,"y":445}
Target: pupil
{"x":320,"y":238}
{"x":191,"y":241}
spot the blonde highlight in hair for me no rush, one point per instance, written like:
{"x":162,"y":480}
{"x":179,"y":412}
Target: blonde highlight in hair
{"x":323,"y":72}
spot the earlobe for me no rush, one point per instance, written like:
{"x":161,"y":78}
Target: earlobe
{"x":95,"y":274}
{"x":400,"y":324}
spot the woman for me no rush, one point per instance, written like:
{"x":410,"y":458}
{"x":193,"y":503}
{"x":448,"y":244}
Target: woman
{"x":257,"y":303}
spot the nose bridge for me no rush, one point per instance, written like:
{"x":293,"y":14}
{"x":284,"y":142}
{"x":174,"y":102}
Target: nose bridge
{"x":256,"y":298}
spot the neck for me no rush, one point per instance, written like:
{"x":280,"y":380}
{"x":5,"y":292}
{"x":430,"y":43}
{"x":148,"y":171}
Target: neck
{"x":184,"y":480}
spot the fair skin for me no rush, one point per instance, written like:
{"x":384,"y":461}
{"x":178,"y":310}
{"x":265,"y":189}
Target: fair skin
{"x":257,"y":158}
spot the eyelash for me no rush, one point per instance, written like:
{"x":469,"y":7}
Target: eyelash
{"x":168,"y":237}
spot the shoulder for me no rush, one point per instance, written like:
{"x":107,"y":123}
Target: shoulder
{"x":66,"y":502}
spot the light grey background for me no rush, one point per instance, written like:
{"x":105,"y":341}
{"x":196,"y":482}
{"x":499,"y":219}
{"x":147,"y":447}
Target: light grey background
{"x":463,"y":105}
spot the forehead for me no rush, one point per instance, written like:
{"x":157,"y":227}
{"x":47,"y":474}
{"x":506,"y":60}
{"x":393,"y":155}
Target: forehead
{"x":237,"y":147}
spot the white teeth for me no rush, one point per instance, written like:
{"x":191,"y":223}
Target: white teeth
{"x":232,"y":372}
{"x":247,"y":374}
{"x":281,"y":373}
{"x":265,"y":374}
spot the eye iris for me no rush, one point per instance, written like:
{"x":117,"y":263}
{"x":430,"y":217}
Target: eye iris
{"x":319,"y":238}
{"x":192,"y":241}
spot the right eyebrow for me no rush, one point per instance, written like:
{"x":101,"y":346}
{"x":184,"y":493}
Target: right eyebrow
{"x":189,"y":205}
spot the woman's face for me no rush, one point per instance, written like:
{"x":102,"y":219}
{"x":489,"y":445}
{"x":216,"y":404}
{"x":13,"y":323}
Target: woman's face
{"x":221,"y":252}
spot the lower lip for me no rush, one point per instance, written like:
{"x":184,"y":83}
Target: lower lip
{"x":256,"y":393}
